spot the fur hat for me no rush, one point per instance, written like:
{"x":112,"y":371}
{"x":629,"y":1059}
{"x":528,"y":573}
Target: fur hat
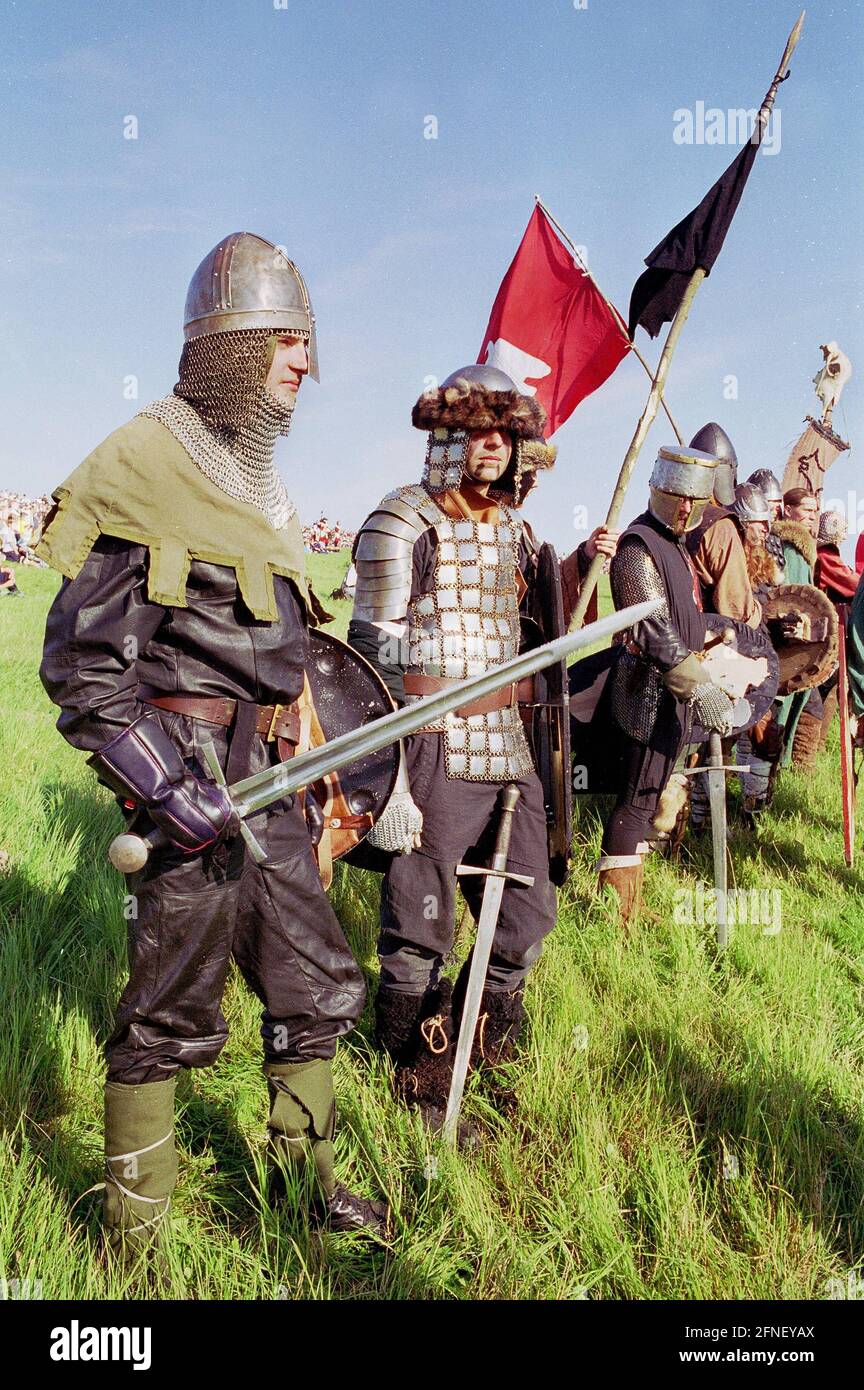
{"x":466,"y":402}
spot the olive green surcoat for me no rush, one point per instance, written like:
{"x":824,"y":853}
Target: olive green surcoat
{"x":140,"y":485}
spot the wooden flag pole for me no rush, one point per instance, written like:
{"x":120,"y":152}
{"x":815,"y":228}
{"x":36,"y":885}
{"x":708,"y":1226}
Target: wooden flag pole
{"x":655,"y":395}
{"x":609,"y":305}
{"x":646,"y":420}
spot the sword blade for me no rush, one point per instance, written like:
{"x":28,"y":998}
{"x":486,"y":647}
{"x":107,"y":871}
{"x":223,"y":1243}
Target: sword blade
{"x":717,"y":800}
{"x":255,"y":793}
{"x":492,"y":895}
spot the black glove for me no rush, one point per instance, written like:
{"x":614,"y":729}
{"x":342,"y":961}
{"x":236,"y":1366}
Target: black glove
{"x":143,"y":765}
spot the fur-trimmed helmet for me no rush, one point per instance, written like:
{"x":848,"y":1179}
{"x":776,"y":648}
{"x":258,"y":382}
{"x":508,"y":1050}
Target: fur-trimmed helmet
{"x":833,"y":529}
{"x":473,"y":398}
{"x":713,"y":439}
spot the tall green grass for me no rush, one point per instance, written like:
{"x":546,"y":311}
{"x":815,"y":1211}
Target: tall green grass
{"x":689,"y":1123}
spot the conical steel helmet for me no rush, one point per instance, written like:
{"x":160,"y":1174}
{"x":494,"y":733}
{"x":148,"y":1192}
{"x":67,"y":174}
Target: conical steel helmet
{"x":247,"y":282}
{"x":713,"y":439}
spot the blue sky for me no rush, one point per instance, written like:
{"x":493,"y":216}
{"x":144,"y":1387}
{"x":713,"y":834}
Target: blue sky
{"x":306,"y":124}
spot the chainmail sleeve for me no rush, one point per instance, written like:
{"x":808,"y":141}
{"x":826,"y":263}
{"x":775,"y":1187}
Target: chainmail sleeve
{"x":635,"y":579}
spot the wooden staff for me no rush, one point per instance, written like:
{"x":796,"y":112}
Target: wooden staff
{"x":655,"y":396}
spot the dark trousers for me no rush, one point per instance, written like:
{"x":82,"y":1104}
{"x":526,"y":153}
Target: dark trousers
{"x":190,"y":914}
{"x":644,"y":772}
{"x":418,"y":897}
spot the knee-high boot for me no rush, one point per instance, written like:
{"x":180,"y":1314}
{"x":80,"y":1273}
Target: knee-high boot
{"x":140,"y":1164}
{"x":301,"y":1127}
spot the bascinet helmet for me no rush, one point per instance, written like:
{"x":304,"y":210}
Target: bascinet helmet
{"x":750,"y":504}
{"x":477,"y":397}
{"x":767,"y":484}
{"x":679,"y":472}
{"x":714,"y":440}
{"x":244,"y":294}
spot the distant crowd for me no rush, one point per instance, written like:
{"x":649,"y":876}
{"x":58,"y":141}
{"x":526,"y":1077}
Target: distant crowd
{"x":22,"y":518}
{"x":324,"y":535}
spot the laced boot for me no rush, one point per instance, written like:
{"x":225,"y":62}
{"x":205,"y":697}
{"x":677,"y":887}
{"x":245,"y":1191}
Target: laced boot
{"x":496,"y":1037}
{"x":301,"y":1125}
{"x":140,"y":1166}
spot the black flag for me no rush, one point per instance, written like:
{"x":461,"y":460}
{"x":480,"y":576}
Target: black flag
{"x":695,"y":242}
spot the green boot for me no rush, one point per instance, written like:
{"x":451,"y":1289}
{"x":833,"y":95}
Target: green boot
{"x":301,"y":1126}
{"x":140,"y":1164}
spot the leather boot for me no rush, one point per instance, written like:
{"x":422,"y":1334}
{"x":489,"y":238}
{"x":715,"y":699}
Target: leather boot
{"x":419,"y":1034}
{"x":499,"y":1023}
{"x":831,"y":705}
{"x":805,"y":745}
{"x":397,"y":1021}
{"x":623,"y":873}
{"x":140,"y":1165}
{"x":752,"y":807}
{"x":301,"y":1125}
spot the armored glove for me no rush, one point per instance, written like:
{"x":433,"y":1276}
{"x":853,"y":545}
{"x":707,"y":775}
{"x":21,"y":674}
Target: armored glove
{"x":143,"y":765}
{"x":713,"y":708}
{"x":398,"y":829}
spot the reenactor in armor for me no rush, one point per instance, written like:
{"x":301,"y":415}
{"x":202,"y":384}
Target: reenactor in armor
{"x":184,"y":618}
{"x":716,"y":544}
{"x":444,"y":567}
{"x":657,"y":686}
{"x":717,"y":548}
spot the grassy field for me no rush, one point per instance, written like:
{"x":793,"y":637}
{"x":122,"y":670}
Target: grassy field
{"x":689,"y":1125}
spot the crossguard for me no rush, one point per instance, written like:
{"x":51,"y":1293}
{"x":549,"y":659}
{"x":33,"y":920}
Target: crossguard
{"x":129,"y":853}
{"x":463,"y":870}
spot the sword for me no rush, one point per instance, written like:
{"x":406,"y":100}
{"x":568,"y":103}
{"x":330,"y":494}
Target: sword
{"x":717,"y":800}
{"x":128,"y":853}
{"x":493,"y":891}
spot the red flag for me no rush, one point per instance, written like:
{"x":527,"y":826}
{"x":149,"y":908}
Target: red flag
{"x":551,"y":329}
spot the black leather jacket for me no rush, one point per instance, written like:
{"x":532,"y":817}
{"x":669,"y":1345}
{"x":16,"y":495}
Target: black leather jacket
{"x":104,"y":638}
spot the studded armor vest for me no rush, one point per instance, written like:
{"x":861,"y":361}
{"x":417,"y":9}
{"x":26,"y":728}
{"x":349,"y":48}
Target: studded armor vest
{"x":467,"y":623}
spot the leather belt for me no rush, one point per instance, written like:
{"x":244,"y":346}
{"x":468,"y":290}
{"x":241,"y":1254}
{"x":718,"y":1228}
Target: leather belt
{"x":517,"y":692}
{"x":280,"y":722}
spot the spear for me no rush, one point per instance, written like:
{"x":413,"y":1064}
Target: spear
{"x":655,"y":395}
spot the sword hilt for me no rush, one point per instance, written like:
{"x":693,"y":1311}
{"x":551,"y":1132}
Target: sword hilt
{"x":509,"y":801}
{"x":129,"y":853}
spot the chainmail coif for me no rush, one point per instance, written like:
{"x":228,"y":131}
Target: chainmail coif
{"x":226,"y":419}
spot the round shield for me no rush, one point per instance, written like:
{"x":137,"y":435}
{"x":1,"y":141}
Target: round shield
{"x":802,"y":625}
{"x":347,"y":692}
{"x":750,"y":642}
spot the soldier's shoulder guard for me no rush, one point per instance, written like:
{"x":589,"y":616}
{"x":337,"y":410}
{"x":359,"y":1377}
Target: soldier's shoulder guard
{"x":383,"y":555}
